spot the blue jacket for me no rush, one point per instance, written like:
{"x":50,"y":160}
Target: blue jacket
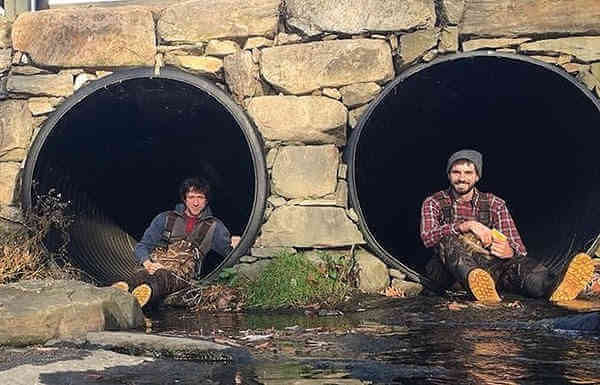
{"x":221,"y":242}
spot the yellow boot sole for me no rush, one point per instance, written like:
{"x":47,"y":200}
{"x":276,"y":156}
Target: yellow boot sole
{"x":482,"y":286}
{"x":575,"y":277}
{"x":121,"y":285}
{"x":142,"y":293}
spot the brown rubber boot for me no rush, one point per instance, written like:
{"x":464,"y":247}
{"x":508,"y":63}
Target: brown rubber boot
{"x":573,"y":279}
{"x":482,"y":286}
{"x":121,"y":285}
{"x":142,"y":293}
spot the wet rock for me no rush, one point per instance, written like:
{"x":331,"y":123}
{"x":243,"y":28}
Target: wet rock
{"x":453,"y":10}
{"x":305,"y":171}
{"x":15,"y":130}
{"x":313,"y":17}
{"x":490,"y":18}
{"x":41,"y":85}
{"x":414,"y":45}
{"x":87,"y":37}
{"x":407,"y":288}
{"x":303,"y":68}
{"x":269,"y":252}
{"x":242,"y":75}
{"x":194,"y":21}
{"x":251,"y":271}
{"x":448,"y":40}
{"x":308,"y":227}
{"x":5,"y":27}
{"x":475,"y":44}
{"x":9,"y":178}
{"x":38,"y":311}
{"x":221,"y":48}
{"x":42,"y":105}
{"x":5,"y":59}
{"x":306,"y":119}
{"x":584,"y":48}
{"x":358,"y":94}
{"x":373,"y":274}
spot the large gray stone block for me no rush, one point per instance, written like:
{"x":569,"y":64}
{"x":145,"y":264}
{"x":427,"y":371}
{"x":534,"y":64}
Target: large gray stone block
{"x":355,"y":16}
{"x":87,"y":37}
{"x":305,"y":171}
{"x":203,"y":20}
{"x":302,"y":68}
{"x":373,"y":275}
{"x":16,"y":129}
{"x":308,"y":226}
{"x":242,"y":75}
{"x":306,"y":119}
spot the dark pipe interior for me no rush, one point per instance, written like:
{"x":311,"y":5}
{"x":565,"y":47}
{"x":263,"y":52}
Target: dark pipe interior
{"x":120,"y":154}
{"x":538,"y":133}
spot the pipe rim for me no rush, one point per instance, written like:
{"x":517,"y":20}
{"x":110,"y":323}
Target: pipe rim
{"x":252,"y":140}
{"x":351,"y":148}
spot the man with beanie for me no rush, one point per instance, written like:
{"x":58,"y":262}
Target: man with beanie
{"x":476,"y":242}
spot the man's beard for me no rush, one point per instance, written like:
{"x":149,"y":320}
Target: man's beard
{"x":471,"y":187}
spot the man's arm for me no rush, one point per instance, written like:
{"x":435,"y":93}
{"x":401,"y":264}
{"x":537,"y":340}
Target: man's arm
{"x":504,"y":222}
{"x":150,"y":239}
{"x":431,"y":230}
{"x":221,"y":242}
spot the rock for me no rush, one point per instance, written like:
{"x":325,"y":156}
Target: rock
{"x":589,"y":80}
{"x":276,"y":201}
{"x":492,"y":18}
{"x":355,"y":115}
{"x":34,"y":312}
{"x":297,"y":226}
{"x":429,"y":56}
{"x":5,"y":59}
{"x":472,"y":45}
{"x":9,"y":178}
{"x":342,"y":171}
{"x":584,"y":48}
{"x":269,"y":252}
{"x":11,"y":218}
{"x":15,"y":130}
{"x":373,"y":275}
{"x":448,"y":40}
{"x":5,"y":28}
{"x":314,"y":17}
{"x":575,"y":67}
{"x":595,"y":69}
{"x":306,"y":119}
{"x":271,"y":156}
{"x":42,"y":105}
{"x":303,"y":68}
{"x":83,"y":79}
{"x":352,"y":215}
{"x":28,"y":70}
{"x":257,"y":42}
{"x":198,"y":64}
{"x":87,"y":37}
{"x":287,"y":38}
{"x":331,"y":93}
{"x":242,"y":75}
{"x":221,"y":48}
{"x":41,"y":85}
{"x":453,"y":10}
{"x":248,"y":259}
{"x":194,"y":21}
{"x":341,"y":194}
{"x":414,"y":45}
{"x":397,"y":274}
{"x":251,"y":271}
{"x":305,"y":171}
{"x":358,"y":94}
{"x":408,"y":289}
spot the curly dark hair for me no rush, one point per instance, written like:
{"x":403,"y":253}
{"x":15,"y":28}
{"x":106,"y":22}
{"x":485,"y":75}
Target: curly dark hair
{"x":194,"y":184}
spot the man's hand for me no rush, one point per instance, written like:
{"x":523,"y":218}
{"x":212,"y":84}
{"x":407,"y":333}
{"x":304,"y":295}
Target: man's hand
{"x":480,"y":230}
{"x":235,"y":239}
{"x":501,"y":248}
{"x":151,"y":267}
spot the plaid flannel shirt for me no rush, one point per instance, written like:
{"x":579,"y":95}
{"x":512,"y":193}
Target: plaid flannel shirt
{"x":433,"y":227}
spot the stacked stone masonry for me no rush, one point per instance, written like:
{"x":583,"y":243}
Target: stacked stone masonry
{"x":305,"y":71}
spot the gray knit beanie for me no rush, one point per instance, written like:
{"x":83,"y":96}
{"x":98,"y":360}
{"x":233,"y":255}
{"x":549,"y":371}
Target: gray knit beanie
{"x":470,"y":155}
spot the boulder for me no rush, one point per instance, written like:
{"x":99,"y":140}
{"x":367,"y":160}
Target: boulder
{"x":34,"y":312}
{"x":305,"y":171}
{"x":414,"y":45}
{"x":509,"y":18}
{"x":303,"y":68}
{"x":584,"y":48}
{"x":16,"y":129}
{"x":475,"y":44}
{"x":5,"y":27}
{"x":195,"y":21}
{"x":242,"y":75}
{"x":41,"y":85}
{"x":373,"y":275}
{"x":306,"y":119}
{"x":220,"y":48}
{"x":5,"y":59}
{"x":407,"y":288}
{"x":314,"y":17}
{"x":309,"y":227}
{"x":251,"y":271}
{"x":268,"y":252}
{"x":87,"y":37}
{"x":358,"y":94}
{"x":9,"y":178}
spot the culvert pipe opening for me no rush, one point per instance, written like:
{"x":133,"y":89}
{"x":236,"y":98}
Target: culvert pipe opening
{"x":118,"y":150}
{"x":535,"y":125}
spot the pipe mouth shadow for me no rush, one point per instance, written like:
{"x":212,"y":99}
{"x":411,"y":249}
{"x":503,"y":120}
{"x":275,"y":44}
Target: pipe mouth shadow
{"x":531,"y":121}
{"x":118,"y":150}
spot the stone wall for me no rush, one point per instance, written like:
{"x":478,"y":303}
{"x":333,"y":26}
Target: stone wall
{"x":304,"y":70}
